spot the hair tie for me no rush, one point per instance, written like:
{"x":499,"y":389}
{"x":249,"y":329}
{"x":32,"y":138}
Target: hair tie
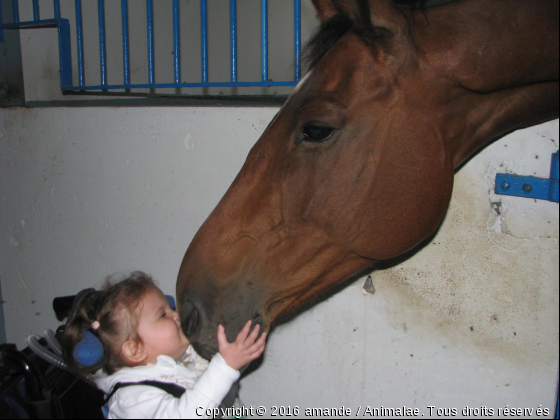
{"x":95,"y":325}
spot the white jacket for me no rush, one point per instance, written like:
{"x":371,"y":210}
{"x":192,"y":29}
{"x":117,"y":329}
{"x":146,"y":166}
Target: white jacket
{"x":205,"y":388}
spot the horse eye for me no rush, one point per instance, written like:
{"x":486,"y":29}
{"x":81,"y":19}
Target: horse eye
{"x":317,"y":133}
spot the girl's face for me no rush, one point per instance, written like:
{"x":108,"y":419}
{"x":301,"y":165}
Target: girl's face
{"x":159,"y":328}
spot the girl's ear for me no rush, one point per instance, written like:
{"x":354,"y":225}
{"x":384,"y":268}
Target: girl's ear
{"x":133,"y":352}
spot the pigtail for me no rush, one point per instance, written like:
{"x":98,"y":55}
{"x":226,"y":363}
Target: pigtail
{"x":84,"y":313}
{"x":110,"y":315}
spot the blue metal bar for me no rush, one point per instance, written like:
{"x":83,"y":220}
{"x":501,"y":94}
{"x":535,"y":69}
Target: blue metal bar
{"x":150,"y":25}
{"x":530,"y":186}
{"x":102,"y":51}
{"x":1,"y":23}
{"x":297,"y":40}
{"x":36,"y":15}
{"x":555,"y":167}
{"x":204,"y":39}
{"x":178,"y":85}
{"x":31,"y":23}
{"x":176,"y":42}
{"x":65,"y":54}
{"x":126,"y":58}
{"x":56,"y":4}
{"x":526,"y":186}
{"x":80,"y":42}
{"x":264,"y":39}
{"x":15,"y":10}
{"x":233,"y":38}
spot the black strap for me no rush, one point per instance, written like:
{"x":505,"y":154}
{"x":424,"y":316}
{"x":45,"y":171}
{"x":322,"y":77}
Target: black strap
{"x":173,"y":389}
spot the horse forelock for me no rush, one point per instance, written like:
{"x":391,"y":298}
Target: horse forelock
{"x":335,"y":28}
{"x":325,"y":37}
{"x":360,"y":24}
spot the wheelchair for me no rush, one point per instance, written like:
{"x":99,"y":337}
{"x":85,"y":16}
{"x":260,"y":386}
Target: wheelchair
{"x":35,"y":383}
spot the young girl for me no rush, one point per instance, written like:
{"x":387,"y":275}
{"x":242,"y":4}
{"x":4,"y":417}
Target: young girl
{"x":142,"y":340}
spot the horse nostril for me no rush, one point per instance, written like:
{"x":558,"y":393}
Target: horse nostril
{"x":257,"y":319}
{"x":191,"y":320}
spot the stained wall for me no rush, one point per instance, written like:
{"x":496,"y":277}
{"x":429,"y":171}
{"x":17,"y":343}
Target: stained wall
{"x":469,"y":320}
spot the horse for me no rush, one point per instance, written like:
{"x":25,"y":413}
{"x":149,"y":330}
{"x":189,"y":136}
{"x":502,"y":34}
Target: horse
{"x":357,"y":167}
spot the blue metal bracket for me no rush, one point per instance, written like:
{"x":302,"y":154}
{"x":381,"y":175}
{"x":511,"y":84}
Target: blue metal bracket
{"x":530,"y":186}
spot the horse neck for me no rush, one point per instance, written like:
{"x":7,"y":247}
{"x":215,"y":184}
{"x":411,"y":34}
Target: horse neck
{"x":498,"y":62}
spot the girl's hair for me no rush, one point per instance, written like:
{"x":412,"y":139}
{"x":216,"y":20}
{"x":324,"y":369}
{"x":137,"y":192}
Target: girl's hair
{"x":116,"y":308}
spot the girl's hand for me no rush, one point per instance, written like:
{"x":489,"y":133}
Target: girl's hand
{"x":244,"y":349}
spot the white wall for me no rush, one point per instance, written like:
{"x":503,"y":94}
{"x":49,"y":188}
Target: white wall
{"x":471,"y":320}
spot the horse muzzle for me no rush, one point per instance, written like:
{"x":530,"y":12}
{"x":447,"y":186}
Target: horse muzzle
{"x":200,"y":320}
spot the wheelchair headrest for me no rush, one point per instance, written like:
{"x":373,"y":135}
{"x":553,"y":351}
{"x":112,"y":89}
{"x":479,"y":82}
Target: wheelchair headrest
{"x":89,"y":351}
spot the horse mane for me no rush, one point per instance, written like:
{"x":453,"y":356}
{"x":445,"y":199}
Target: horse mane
{"x":325,"y":37}
{"x":335,"y":28}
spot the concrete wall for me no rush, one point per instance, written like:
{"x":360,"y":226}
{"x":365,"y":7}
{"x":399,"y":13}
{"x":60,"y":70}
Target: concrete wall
{"x":470,"y":320}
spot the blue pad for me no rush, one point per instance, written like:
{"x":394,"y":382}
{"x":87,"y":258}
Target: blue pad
{"x":89,"y":351}
{"x":171,"y":301}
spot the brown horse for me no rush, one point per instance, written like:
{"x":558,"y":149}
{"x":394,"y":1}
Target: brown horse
{"x":358,"y":165}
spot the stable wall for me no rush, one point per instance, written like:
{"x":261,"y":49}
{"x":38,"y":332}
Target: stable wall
{"x":470,"y":320}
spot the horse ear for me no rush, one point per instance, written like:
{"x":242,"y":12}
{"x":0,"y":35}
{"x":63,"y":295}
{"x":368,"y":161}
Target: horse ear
{"x":387,"y":18}
{"x":385,"y":14}
{"x":326,"y":9}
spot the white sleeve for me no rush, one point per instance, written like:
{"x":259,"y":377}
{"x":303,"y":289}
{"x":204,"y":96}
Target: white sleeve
{"x":148,"y":402}
{"x":195,"y":361}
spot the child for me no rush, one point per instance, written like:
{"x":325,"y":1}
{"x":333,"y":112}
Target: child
{"x":142,"y":340}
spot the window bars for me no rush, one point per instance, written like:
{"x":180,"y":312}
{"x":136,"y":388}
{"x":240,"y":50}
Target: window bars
{"x":65,"y":50}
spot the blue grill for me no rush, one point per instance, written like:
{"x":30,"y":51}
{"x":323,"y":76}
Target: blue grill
{"x":65,"y":49}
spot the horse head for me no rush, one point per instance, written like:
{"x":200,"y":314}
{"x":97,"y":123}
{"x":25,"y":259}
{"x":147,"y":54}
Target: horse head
{"x":358,"y":165}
